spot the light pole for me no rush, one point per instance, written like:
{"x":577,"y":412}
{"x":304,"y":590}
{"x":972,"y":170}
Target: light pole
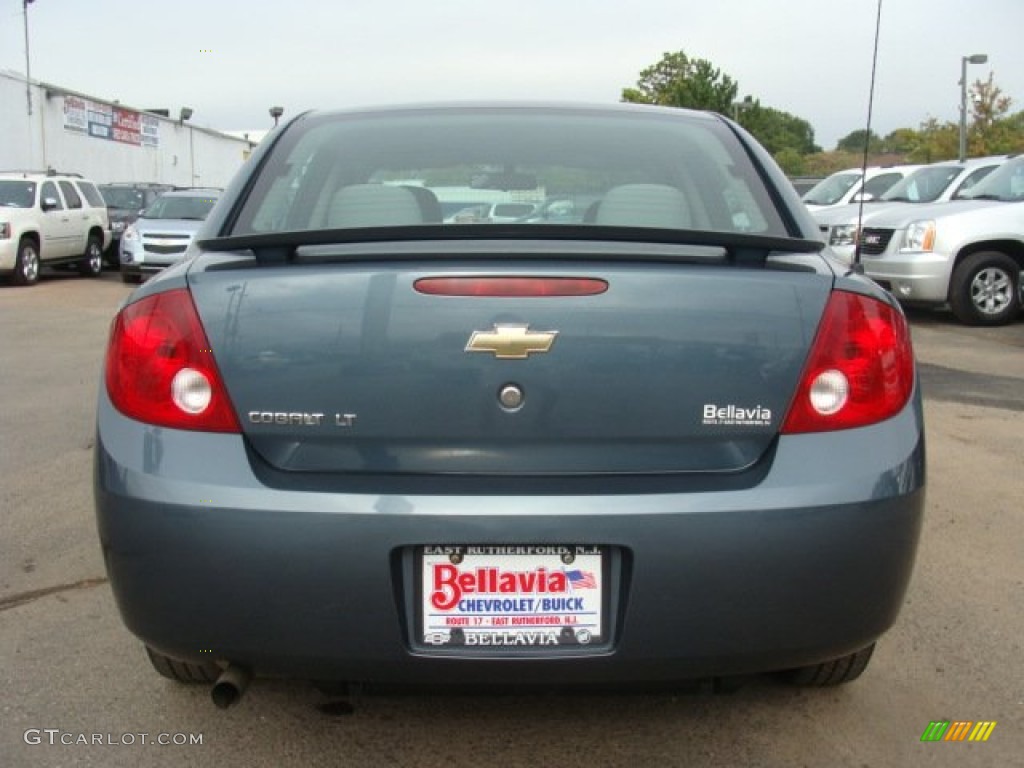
{"x":276,"y":112}
{"x":975,"y":58}
{"x":184,"y":115}
{"x":28,"y":73}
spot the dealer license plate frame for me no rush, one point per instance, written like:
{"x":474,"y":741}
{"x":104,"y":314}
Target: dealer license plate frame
{"x":574,"y":620}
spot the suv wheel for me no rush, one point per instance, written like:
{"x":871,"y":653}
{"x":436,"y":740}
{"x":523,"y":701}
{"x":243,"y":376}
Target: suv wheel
{"x":984,"y":289}
{"x":92,"y":263}
{"x":834,"y":672}
{"x":26,"y":265}
{"x":183,"y":671}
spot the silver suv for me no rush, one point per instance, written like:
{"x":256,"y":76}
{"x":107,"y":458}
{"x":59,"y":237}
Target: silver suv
{"x":48,"y":218}
{"x":164,"y":231}
{"x":936,"y":183}
{"x":967,"y":253}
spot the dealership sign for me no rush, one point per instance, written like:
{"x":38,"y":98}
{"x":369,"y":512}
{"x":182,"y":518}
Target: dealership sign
{"x":104,"y":121}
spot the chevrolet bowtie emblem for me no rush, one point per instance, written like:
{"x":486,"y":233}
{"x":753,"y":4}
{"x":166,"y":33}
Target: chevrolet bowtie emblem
{"x":511,"y":342}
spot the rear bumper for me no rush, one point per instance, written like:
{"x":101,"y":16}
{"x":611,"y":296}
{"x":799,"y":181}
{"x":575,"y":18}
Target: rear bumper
{"x":809,"y":564}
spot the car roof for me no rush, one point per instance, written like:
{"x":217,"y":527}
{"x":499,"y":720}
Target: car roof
{"x":194,"y":192}
{"x":526,"y":106}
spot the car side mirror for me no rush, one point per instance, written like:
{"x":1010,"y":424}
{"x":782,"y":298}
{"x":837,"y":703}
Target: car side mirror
{"x":862,"y":197}
{"x":50,"y":204}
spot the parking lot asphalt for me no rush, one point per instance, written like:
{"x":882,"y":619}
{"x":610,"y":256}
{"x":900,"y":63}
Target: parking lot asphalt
{"x":72,"y":673}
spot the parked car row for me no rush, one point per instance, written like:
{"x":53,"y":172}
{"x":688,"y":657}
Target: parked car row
{"x":946,"y":233}
{"x":52,"y":219}
{"x":949,"y":233}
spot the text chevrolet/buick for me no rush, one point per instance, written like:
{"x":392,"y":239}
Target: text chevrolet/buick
{"x":668,"y":438}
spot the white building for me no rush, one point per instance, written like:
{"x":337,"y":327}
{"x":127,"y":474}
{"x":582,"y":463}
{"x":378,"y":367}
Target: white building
{"x":106,"y":141}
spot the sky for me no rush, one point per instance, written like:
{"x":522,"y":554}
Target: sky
{"x":230,"y":61}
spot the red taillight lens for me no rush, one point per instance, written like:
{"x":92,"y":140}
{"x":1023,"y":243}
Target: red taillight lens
{"x":860,"y":370}
{"x":511,"y":287}
{"x":160,"y":368}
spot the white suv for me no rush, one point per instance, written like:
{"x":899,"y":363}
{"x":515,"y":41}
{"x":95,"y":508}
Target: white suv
{"x":50,"y":219}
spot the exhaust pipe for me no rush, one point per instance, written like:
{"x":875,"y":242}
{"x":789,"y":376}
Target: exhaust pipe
{"x":230,"y":686}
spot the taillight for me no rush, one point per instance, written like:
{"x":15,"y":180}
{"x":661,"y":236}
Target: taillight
{"x":160,"y":368}
{"x":860,"y":370}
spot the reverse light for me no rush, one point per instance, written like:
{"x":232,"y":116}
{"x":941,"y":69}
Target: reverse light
{"x":160,"y":369}
{"x":920,"y":236}
{"x":860,"y":370}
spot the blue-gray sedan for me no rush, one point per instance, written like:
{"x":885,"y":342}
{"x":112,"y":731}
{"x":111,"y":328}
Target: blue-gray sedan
{"x":671,"y":438}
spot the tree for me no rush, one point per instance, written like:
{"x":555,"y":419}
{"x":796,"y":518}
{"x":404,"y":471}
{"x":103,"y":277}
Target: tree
{"x":854,"y":142}
{"x":993,"y":131}
{"x":987,"y":104}
{"x":937,"y":141}
{"x":902,"y":141}
{"x":679,"y":81}
{"x":778,"y":130}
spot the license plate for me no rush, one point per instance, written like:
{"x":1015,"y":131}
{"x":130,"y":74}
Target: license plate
{"x":512,"y":596}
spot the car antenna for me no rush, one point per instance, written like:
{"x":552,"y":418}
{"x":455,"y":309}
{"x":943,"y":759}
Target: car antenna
{"x":857,"y":267}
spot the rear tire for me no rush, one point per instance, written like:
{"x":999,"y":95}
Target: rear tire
{"x":984,"y":289}
{"x":26,"y":263}
{"x":91,"y":264}
{"x":835,"y":672}
{"x":183,"y":671}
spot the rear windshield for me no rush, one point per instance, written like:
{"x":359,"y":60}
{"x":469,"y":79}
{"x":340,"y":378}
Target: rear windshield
{"x":126,"y":198}
{"x":831,"y":190}
{"x":924,"y":185}
{"x":193,"y":208}
{"x":508,"y":167}
{"x":17,"y":194}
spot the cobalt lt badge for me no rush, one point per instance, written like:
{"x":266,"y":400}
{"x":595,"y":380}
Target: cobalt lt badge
{"x":511,"y":342}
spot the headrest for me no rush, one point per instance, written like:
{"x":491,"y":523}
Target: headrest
{"x":644,"y":205}
{"x":373,"y":205}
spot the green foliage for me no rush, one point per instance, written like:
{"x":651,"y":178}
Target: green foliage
{"x":778,"y":130}
{"x":935,"y":141}
{"x":854,"y":142}
{"x":679,"y":81}
{"x":792,"y":162}
{"x":902,"y":141}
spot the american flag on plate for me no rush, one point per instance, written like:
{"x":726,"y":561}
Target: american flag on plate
{"x":581,"y":579}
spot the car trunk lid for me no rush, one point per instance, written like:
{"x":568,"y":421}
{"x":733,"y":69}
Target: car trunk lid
{"x":348,"y":367}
